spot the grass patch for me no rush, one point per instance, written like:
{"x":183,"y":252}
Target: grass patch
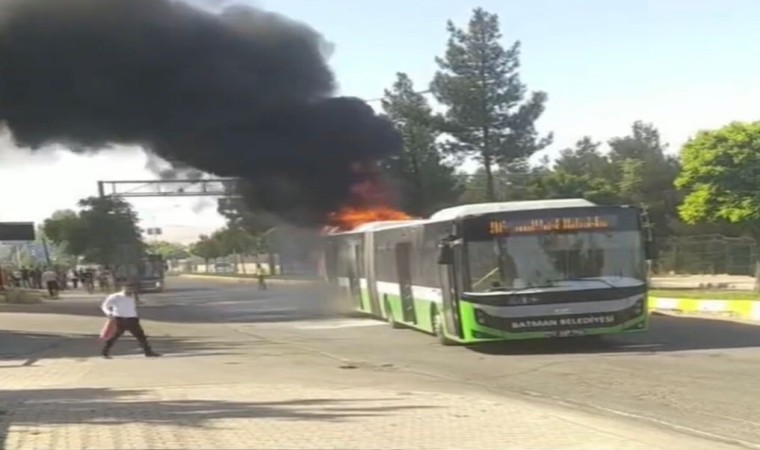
{"x":705,"y":294}
{"x":20,"y":297}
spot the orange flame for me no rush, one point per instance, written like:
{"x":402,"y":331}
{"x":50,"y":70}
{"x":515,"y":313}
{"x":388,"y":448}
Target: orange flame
{"x":348,"y":218}
{"x":369,"y":202}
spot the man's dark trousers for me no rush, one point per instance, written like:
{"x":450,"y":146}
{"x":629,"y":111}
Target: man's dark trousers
{"x":131,"y":324}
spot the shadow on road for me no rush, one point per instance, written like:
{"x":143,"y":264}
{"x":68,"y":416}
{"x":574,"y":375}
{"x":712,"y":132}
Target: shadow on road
{"x":666,"y":334}
{"x":32,"y":347}
{"x":100,"y":406}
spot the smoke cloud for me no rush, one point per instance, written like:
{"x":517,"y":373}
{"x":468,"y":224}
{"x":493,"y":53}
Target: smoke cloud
{"x":239,"y":93}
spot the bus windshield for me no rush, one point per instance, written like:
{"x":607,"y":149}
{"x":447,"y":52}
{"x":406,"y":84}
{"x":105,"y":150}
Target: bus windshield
{"x":612,"y":258}
{"x":151,"y":267}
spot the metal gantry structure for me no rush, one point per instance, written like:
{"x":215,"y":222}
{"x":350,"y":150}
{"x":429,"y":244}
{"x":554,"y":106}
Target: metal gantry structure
{"x":211,"y":187}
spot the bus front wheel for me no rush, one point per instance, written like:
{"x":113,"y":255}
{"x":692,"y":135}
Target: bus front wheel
{"x":438,"y":329}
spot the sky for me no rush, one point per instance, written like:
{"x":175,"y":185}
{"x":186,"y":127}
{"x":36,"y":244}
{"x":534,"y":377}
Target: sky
{"x":681,"y":65}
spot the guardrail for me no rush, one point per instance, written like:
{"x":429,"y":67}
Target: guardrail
{"x":732,"y":309}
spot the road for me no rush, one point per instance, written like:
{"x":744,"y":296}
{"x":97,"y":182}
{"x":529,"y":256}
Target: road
{"x":696,"y":375}
{"x":693,"y":376}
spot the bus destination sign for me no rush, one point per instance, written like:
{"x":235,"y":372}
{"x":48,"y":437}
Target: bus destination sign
{"x":499,"y":227}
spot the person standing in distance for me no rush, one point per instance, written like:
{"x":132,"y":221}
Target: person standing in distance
{"x":50,"y":278}
{"x":122,"y":307}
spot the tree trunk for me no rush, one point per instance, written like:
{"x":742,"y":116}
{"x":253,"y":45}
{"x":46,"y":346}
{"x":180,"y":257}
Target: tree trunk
{"x":421,"y":203}
{"x":207,"y":260}
{"x":755,"y":233}
{"x":241,"y":260}
{"x":270,"y":258}
{"x":488,"y":166}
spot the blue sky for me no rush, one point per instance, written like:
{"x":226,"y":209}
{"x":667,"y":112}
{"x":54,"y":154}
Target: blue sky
{"x":603,"y":63}
{"x":683,"y":65}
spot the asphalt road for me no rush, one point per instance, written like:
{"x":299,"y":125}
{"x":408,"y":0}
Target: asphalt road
{"x":697,"y":376}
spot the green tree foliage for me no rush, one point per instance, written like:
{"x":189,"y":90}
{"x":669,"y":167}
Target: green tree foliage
{"x":207,"y":248}
{"x":645,"y":175}
{"x":426,"y":184}
{"x":257,"y":224}
{"x":169,"y":250}
{"x":508,"y":185}
{"x":489,"y":113}
{"x":720,"y":177}
{"x":102,"y":231}
{"x":236,"y":240}
{"x":636,"y":170}
{"x":579,"y":172}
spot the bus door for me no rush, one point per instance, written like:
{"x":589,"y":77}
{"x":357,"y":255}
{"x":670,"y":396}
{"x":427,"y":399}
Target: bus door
{"x":369,"y":264}
{"x":354,"y":275}
{"x":451,"y":290}
{"x":404,"y":267}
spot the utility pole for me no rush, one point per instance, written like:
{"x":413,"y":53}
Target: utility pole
{"x":47,"y":252}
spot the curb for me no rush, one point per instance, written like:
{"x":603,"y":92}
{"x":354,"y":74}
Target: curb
{"x":730,"y":309}
{"x":270,"y":281}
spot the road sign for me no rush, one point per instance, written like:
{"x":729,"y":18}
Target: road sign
{"x":153,"y":231}
{"x":17,"y":231}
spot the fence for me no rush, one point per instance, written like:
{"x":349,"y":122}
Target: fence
{"x":707,"y":254}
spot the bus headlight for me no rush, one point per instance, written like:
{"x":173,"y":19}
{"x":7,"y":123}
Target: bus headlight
{"x":480,"y":318}
{"x":638,"y":307}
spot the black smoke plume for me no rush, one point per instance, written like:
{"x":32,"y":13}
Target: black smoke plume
{"x":241,"y":93}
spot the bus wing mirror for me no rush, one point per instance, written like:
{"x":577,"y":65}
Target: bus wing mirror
{"x":445,"y":255}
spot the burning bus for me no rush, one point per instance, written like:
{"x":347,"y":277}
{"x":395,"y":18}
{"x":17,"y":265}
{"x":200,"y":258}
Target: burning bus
{"x":499,"y":271}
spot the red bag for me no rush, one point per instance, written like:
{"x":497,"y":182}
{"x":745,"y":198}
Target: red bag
{"x":108,"y":330}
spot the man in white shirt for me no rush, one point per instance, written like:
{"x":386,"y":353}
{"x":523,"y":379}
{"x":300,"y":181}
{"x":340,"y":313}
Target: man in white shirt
{"x":121,"y":306}
{"x":50,"y":280}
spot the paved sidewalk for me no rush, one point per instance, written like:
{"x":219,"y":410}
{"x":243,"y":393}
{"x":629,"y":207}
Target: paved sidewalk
{"x":272,"y":416}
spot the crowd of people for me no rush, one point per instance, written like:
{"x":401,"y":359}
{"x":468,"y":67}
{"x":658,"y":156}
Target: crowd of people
{"x":56,"y":279}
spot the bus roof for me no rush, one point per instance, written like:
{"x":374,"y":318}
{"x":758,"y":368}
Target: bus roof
{"x":373,"y":226}
{"x":485,"y":208}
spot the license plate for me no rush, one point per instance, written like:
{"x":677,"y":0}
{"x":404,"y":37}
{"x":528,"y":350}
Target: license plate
{"x":570,"y":333}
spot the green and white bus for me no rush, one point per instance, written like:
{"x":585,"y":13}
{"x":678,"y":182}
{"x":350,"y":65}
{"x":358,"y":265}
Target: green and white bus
{"x":500,"y":271}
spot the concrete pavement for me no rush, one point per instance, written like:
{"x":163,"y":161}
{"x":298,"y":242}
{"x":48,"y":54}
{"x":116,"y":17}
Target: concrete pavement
{"x":266,"y":384}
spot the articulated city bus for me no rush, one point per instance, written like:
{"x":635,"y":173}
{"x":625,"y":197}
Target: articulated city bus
{"x":500,"y":271}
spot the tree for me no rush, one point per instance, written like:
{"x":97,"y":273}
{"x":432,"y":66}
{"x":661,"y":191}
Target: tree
{"x":585,"y":159}
{"x":104,"y":231}
{"x":720,"y":175}
{"x":235,"y":241}
{"x":169,"y":250}
{"x":488,"y":115}
{"x":582,"y":171}
{"x":207,"y":248}
{"x":563,"y":184}
{"x":256,"y":223}
{"x":645,"y":175}
{"x":426,"y":183}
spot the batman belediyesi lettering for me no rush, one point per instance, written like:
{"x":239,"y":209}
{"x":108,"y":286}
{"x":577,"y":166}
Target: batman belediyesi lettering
{"x":567,"y":321}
